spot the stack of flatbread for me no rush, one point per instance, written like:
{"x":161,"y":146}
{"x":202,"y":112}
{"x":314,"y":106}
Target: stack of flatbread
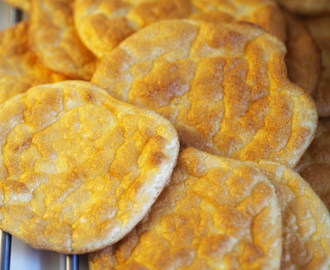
{"x":169,"y":134}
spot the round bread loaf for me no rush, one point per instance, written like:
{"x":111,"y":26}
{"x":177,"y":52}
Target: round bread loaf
{"x":19,"y":67}
{"x":54,"y":39}
{"x":306,"y":7}
{"x":303,"y":58}
{"x":78,"y":168}
{"x":319,"y":27}
{"x":103,"y":24}
{"x":216,"y":213}
{"x":223,"y":86}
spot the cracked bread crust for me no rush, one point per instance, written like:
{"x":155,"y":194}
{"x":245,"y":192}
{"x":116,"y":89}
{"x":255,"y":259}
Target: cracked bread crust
{"x":306,"y":220}
{"x":103,"y":24}
{"x":22,"y":4}
{"x":55,"y":40}
{"x":319,"y":27}
{"x":224,"y":87}
{"x":78,"y":168}
{"x":19,"y":67}
{"x":303,"y":59}
{"x":314,"y":166}
{"x":216,"y":213}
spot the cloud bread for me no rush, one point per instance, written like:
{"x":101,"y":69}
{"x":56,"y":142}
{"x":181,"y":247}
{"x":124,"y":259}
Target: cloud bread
{"x":216,"y":213}
{"x":319,"y":28}
{"x":55,"y":40}
{"x":306,"y":220}
{"x":306,"y":7}
{"x":79,"y":169}
{"x":103,"y":24}
{"x":22,"y":4}
{"x":224,"y":88}
{"x":19,"y":67}
{"x":314,"y":166}
{"x":303,"y":59}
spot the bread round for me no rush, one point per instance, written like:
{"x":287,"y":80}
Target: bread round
{"x":216,"y":213}
{"x":103,"y":24}
{"x":223,"y":86}
{"x":303,"y":58}
{"x":306,"y":7}
{"x":54,"y":39}
{"x":19,"y":67}
{"x":78,"y":168}
{"x":319,"y":28}
{"x":306,"y":220}
{"x":314,"y":166}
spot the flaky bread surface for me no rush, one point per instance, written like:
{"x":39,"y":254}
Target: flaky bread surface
{"x":224,"y":87}
{"x":103,"y":24}
{"x":55,"y":40}
{"x":78,"y":168}
{"x":306,"y":220}
{"x":303,"y":59}
{"x":216,"y":213}
{"x":319,"y":27}
{"x":19,"y":67}
{"x":314,"y":166}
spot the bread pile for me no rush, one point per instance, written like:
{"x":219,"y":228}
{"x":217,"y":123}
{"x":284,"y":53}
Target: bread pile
{"x":168,"y":134}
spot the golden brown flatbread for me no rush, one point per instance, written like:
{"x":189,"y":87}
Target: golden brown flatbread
{"x":216,"y":213}
{"x":103,"y":24}
{"x":319,"y":28}
{"x":54,"y":39}
{"x":306,"y":7}
{"x":303,"y":58}
{"x":22,"y":4}
{"x":224,"y":88}
{"x":19,"y":67}
{"x":314,"y":166}
{"x":306,"y":220}
{"x":78,"y":168}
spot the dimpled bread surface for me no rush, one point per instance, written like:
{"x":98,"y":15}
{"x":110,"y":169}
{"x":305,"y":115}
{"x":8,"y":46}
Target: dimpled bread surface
{"x":314,"y":166}
{"x":216,"y":213}
{"x":55,"y":40}
{"x":19,"y":67}
{"x":320,"y":30}
{"x":103,"y":24}
{"x":306,"y":220}
{"x":22,"y":4}
{"x":78,"y":168}
{"x":306,"y":7}
{"x":224,"y":88}
{"x":303,"y":59}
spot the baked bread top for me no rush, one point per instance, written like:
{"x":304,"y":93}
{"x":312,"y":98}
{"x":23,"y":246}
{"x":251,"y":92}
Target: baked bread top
{"x":54,"y":39}
{"x":22,"y":4}
{"x":19,"y":67}
{"x":103,"y":24}
{"x":78,"y":168}
{"x":224,"y":87}
{"x":216,"y":213}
